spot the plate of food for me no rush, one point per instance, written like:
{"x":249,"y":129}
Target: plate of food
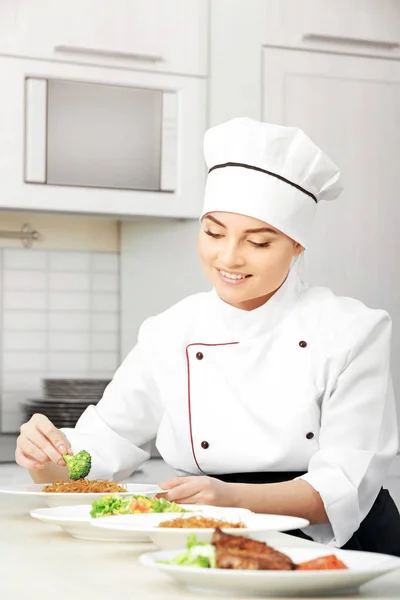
{"x":171,"y":531}
{"x":236,"y":565}
{"x":76,"y":520}
{"x":61,"y":493}
{"x":80,"y":489}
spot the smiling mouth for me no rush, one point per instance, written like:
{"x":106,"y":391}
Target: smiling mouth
{"x":234,"y":277}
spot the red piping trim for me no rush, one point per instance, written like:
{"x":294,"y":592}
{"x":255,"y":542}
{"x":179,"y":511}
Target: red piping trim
{"x":189,"y":402}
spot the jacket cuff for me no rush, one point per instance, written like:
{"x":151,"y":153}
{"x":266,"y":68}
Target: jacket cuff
{"x":340,"y":499}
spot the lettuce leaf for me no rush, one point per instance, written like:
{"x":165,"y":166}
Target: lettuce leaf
{"x":161,"y":505}
{"x":198,"y":554}
{"x":110,"y":505}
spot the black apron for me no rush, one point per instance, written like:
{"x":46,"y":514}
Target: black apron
{"x":378,"y":532}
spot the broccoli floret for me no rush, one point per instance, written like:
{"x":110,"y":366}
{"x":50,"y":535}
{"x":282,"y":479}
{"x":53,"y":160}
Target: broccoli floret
{"x":78,"y":464}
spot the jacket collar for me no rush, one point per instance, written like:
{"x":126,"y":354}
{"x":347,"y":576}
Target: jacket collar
{"x":244,"y":324}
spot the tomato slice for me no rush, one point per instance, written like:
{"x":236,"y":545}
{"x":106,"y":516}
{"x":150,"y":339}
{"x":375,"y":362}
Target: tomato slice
{"x":138,"y":507}
{"x":323,"y":563}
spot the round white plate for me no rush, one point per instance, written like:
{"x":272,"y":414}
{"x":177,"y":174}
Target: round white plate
{"x":170,"y":538}
{"x":257,"y":525}
{"x":63,"y":499}
{"x":363,"y":566}
{"x":76,"y":521}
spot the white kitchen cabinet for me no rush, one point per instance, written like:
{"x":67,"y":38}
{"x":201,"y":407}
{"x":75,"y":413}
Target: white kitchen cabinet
{"x":369,"y":27}
{"x":350,"y":106}
{"x":237,"y":30}
{"x":157,"y":35}
{"x":187,"y":138}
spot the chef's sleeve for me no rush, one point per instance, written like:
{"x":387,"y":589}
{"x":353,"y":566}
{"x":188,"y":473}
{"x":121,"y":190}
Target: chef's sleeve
{"x":125,"y":418}
{"x":358,"y":436}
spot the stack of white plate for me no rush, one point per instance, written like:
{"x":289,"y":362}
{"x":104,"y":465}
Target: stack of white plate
{"x":63,"y":412}
{"x":78,"y":389}
{"x":65,"y":400}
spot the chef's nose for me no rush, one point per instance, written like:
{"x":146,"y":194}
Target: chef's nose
{"x":230,"y":255}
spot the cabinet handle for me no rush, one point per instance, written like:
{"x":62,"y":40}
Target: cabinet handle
{"x":319,"y":37}
{"x":27,"y":235}
{"x":150,"y":58}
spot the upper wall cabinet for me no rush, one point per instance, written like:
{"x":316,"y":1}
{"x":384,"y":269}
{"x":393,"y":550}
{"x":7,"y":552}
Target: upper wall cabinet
{"x":370,"y":27}
{"x":160,"y":35}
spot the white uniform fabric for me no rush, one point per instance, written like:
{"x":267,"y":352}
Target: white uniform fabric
{"x":254,"y":393}
{"x":286,"y":152}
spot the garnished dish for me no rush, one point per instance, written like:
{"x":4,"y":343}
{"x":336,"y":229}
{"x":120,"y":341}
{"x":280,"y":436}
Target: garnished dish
{"x":171,"y":532}
{"x":200,"y":522}
{"x":77,"y":493}
{"x":79,"y":466}
{"x":234,"y":564}
{"x":116,"y":505}
{"x":237,"y":552}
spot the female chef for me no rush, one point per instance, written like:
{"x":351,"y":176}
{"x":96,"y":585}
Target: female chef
{"x":263,"y":393}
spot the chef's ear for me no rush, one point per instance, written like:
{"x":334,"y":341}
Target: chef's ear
{"x":297,"y":249}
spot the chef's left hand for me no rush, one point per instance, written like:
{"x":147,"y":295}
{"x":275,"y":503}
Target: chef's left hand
{"x":198,"y":490}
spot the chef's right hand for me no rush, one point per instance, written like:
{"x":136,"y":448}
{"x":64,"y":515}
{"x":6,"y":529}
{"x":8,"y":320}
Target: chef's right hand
{"x":40,"y":442}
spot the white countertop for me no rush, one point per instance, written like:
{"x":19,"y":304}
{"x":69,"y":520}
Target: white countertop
{"x":40,"y":562}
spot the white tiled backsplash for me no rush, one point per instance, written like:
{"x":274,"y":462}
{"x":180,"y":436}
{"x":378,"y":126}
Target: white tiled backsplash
{"x":59,"y":317}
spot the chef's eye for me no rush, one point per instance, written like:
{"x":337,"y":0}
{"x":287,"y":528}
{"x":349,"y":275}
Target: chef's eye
{"x":263,"y":245}
{"x":212,"y":234}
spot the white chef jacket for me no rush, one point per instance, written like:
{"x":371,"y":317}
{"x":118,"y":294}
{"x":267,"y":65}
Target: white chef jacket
{"x":205,"y":371}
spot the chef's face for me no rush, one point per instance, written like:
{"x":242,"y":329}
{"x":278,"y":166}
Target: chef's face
{"x":245,"y":259}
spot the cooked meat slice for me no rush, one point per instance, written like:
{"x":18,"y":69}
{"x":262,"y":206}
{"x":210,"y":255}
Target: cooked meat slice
{"x":239,"y":552}
{"x":239,"y":542}
{"x":243,"y":560}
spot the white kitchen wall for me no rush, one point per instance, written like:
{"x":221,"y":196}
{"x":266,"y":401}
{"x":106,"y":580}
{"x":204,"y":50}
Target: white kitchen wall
{"x":59,"y":314}
{"x":159,"y":267}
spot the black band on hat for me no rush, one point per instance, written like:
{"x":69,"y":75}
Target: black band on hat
{"x":295,"y":185}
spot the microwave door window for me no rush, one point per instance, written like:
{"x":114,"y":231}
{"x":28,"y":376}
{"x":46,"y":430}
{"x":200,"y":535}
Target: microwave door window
{"x":103,"y":136}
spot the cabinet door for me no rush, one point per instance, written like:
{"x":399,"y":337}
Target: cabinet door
{"x":350,"y":26}
{"x":350,"y":106}
{"x":136,"y":34}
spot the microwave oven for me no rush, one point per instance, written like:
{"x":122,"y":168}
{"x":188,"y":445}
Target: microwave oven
{"x":101,"y":140}
{"x":100,"y":135}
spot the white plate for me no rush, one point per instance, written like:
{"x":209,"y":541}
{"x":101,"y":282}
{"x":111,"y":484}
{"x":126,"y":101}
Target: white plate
{"x":171,"y":538}
{"x":256,"y":527}
{"x":76,"y":521}
{"x":363,"y":566}
{"x":64,"y":499}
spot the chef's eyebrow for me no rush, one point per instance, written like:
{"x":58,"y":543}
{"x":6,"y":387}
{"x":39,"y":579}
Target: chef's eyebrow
{"x":258,"y":230}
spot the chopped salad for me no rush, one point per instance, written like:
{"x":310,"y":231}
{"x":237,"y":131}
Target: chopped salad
{"x":111,"y":505}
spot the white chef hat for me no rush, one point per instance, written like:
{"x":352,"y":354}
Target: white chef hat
{"x":273,"y":173}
